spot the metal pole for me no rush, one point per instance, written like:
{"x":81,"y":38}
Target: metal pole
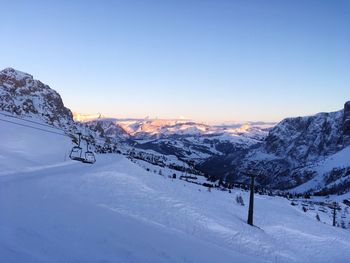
{"x":79,"y":134}
{"x":334,"y":213}
{"x":251,"y":201}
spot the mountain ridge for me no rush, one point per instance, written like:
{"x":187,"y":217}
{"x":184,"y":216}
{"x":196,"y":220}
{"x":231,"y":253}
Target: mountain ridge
{"x":295,"y":154}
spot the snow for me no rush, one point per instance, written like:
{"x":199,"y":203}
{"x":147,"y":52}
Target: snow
{"x":57,"y":210}
{"x":337,"y":160}
{"x":21,"y":149}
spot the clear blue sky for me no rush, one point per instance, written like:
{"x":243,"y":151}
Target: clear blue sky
{"x":205,"y":60}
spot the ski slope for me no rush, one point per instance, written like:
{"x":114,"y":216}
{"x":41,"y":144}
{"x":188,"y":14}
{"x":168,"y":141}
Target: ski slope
{"x":57,"y":210}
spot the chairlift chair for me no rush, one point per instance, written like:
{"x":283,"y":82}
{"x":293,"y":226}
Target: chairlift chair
{"x":77,"y":151}
{"x":89,"y":155}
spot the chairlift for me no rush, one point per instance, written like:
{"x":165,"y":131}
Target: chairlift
{"x":89,"y":155}
{"x":77,"y":151}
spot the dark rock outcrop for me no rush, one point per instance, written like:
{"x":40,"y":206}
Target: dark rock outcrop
{"x":21,"y":94}
{"x":346,"y":120}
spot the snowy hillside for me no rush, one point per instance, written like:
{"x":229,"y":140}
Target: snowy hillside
{"x":22,"y":150}
{"x":331,"y":175}
{"x":58,"y":210}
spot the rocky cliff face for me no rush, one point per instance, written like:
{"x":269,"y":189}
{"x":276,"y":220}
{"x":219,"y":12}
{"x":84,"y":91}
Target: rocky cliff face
{"x":296,"y":149}
{"x":346,"y":123}
{"x":107,"y":128}
{"x":299,"y":153}
{"x":305,"y":139}
{"x":20,"y":94}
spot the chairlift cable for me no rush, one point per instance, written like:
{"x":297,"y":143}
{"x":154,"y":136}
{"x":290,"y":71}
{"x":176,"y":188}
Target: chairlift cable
{"x":49,"y":126}
{"x":36,"y":128}
{"x":34,"y":122}
{"x":89,"y":155}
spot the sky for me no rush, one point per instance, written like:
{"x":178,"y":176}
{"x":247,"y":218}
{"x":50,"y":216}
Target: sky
{"x":210,"y":61}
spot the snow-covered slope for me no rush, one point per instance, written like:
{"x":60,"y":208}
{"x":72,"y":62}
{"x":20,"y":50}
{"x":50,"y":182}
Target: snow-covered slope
{"x":330,"y":176}
{"x":30,"y":148}
{"x":57,"y":210}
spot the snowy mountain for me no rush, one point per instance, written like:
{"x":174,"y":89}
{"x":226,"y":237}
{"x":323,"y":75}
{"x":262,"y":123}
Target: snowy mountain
{"x":305,"y":139}
{"x":58,"y":210}
{"x":20,"y":94}
{"x":184,"y":139}
{"x":107,"y":128}
{"x":143,"y":129}
{"x":144,"y":200}
{"x":299,"y":154}
{"x":24,"y":97}
{"x":309,"y":152}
